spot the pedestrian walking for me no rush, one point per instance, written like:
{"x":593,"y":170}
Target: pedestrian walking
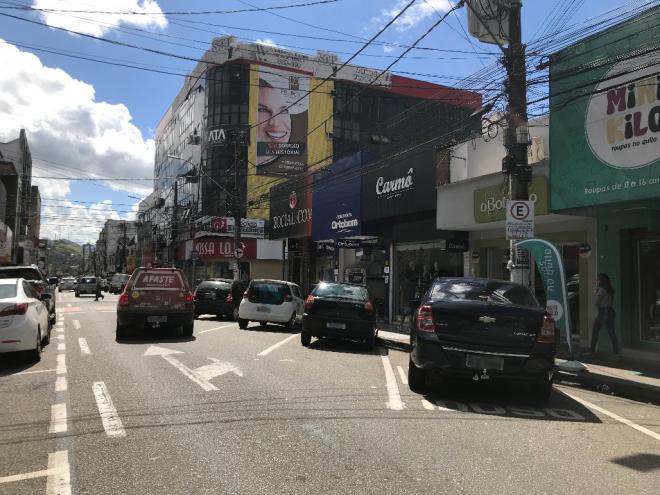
{"x":98,"y":290}
{"x":606,"y":314}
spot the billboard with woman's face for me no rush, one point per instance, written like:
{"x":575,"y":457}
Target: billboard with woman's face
{"x":282,"y":114}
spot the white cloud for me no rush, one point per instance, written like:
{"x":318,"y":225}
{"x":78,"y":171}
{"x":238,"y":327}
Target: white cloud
{"x":266,"y":41}
{"x":419,"y":12}
{"x":67,"y":127}
{"x":99,"y":24}
{"x":75,"y":222}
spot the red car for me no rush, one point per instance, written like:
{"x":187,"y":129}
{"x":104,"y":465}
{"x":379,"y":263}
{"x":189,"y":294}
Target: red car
{"x":156,"y":298}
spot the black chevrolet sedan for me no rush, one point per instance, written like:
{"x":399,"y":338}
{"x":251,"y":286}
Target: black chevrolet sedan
{"x":339,"y":310}
{"x":482,"y":329}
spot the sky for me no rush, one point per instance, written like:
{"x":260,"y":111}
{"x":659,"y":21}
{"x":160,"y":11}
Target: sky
{"x":87,"y":120}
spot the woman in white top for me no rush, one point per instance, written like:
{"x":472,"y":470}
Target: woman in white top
{"x":606,"y":314}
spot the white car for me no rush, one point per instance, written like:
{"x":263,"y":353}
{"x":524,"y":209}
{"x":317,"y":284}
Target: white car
{"x":24,"y":322}
{"x":67,"y":283}
{"x":271,"y":301}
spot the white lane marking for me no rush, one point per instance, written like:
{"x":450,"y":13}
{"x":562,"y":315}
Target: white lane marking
{"x":61,"y":364}
{"x":68,"y":305}
{"x":27,"y":476}
{"x":614,"y":416}
{"x":215,"y":328}
{"x":265,"y":352}
{"x":84,"y":348}
{"x":166,"y":355}
{"x":76,"y":324}
{"x":427,"y":405}
{"x":111,"y":420}
{"x":59,"y":481}
{"x":60,"y":337}
{"x":61,"y":346}
{"x":107,"y":311}
{"x":402,"y":375}
{"x":36,"y":371}
{"x":395,"y":403}
{"x":58,"y":418}
{"x":60,"y":384}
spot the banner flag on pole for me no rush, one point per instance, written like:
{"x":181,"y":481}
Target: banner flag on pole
{"x":551,"y":267}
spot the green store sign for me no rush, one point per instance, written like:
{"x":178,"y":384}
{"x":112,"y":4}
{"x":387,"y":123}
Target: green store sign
{"x":490,"y":202}
{"x":605,"y":117}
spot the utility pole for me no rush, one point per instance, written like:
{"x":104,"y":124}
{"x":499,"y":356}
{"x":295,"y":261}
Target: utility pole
{"x":517,"y":136}
{"x":175,"y":221}
{"x":237,"y":207}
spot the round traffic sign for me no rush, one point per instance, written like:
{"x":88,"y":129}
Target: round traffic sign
{"x":238,"y":253}
{"x":519,"y":210}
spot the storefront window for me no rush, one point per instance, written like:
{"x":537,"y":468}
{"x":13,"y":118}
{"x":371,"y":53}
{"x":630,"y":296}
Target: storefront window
{"x":416,"y":266}
{"x":649,"y":290}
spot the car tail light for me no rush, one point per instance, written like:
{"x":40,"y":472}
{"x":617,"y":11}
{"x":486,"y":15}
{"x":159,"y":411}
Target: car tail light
{"x":424,"y":319}
{"x":246,"y":294}
{"x":189,"y":297}
{"x":547,"y":333}
{"x":39,"y":289}
{"x":369,"y":308}
{"x":123,"y":298}
{"x":16,"y":309}
{"x":230,"y":298}
{"x":309,"y":302}
{"x":288,"y":298}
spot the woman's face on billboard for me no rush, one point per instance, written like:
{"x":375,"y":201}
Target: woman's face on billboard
{"x":273,"y":110}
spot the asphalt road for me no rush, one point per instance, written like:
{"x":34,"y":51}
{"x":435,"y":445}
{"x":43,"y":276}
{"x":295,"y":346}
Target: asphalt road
{"x":252,"y":411}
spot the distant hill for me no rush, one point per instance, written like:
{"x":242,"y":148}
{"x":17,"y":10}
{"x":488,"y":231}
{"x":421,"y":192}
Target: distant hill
{"x":64,"y":257}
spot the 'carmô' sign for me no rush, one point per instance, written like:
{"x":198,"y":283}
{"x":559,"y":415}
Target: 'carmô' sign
{"x":605,"y":116}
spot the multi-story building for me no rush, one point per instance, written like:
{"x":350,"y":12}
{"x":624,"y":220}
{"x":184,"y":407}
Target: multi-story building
{"x":115,"y":247}
{"x":250,"y":117}
{"x":87,"y":262}
{"x":16,"y":176}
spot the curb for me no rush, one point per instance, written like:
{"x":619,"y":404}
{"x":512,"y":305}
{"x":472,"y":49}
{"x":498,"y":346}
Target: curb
{"x":610,"y":386}
{"x":394,"y":340}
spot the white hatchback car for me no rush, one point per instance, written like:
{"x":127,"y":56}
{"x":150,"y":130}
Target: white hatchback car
{"x":23,"y":318}
{"x":271,"y":301}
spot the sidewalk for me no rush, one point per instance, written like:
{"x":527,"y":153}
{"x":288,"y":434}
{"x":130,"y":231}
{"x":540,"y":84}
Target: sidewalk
{"x":628,"y":378}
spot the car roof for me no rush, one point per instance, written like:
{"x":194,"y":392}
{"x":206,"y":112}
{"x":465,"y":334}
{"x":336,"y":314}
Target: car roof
{"x":481,"y":280}
{"x":272,"y":281}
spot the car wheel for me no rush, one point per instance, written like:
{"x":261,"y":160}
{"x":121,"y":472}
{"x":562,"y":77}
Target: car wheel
{"x":188,"y":329}
{"x":542,"y":391}
{"x":35,"y":354}
{"x":291,"y":324}
{"x":416,"y":377}
{"x":196,"y":315}
{"x":121,"y":332}
{"x":46,"y":338}
{"x":305,"y":339}
{"x":242,"y":324}
{"x":234,"y":315}
{"x":263,"y":323}
{"x":77,"y":295}
{"x":370,"y":342}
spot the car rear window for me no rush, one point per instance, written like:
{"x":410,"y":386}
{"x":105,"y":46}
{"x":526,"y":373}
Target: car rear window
{"x":341,"y":291}
{"x":88,"y":280}
{"x":26,"y":273}
{"x":7,"y":291}
{"x":268,"y":292}
{"x":483,"y":290}
{"x":214,"y":285}
{"x":158,"y":280}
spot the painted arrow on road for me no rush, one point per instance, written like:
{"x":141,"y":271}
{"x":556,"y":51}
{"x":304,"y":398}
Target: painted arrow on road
{"x":201,"y":375}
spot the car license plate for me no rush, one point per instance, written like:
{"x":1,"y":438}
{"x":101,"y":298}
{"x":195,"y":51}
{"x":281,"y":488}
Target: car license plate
{"x":337,"y":326}
{"x":210,"y":296}
{"x":479,"y":362}
{"x":156,"y":319}
{"x":263,"y":309}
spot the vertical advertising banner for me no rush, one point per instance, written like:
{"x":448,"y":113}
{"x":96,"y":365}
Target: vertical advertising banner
{"x":282,"y":122}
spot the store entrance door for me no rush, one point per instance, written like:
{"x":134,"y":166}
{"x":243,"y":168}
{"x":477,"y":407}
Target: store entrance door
{"x":649,"y":290}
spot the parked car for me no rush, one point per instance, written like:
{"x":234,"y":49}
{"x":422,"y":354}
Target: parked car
{"x":339,"y":310}
{"x":215,"y":296}
{"x":86,"y":285}
{"x":118,"y":282}
{"x":67,"y":283}
{"x":54,"y":281}
{"x":24,"y":322}
{"x":271,"y":301}
{"x":483,"y":329}
{"x":37,"y":280}
{"x":156,"y":298}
